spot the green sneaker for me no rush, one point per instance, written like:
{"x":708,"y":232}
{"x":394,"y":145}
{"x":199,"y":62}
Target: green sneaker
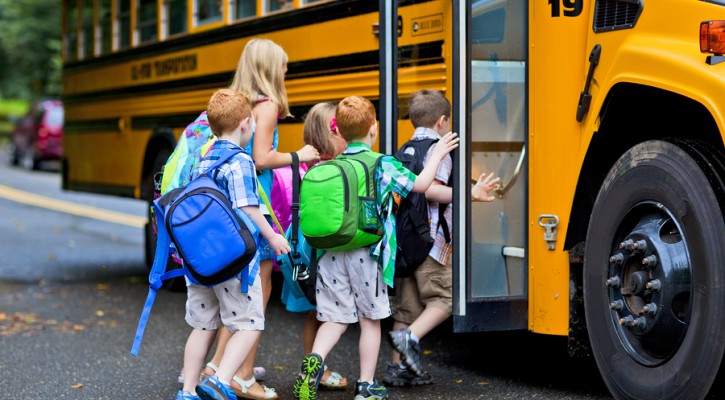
{"x":305,"y":387}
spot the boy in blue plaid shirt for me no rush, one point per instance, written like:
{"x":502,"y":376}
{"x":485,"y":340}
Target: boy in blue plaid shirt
{"x":351,"y":284}
{"x":224,"y":305}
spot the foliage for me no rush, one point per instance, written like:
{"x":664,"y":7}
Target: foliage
{"x":30,"y":42}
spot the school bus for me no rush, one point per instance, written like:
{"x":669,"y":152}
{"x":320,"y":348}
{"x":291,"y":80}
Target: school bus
{"x":604,"y":119}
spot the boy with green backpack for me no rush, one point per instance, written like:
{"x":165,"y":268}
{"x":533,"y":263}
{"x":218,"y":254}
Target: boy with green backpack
{"x":346,"y":209}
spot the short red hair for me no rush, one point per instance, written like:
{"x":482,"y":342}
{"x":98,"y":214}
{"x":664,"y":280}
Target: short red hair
{"x":226,"y":110}
{"x":355,"y":115}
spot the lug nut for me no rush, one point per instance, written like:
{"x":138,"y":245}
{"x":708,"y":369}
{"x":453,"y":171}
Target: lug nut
{"x":617,"y":258}
{"x":650,"y":261}
{"x":613,"y":282}
{"x":617,"y":305}
{"x":627,"y":244}
{"x":654,"y":284}
{"x":631,"y":322}
{"x":650,"y":308}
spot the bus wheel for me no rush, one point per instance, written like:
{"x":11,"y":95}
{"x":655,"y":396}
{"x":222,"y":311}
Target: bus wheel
{"x":175,"y":284}
{"x":654,"y":286}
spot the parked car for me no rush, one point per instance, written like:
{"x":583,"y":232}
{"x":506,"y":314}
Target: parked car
{"x":38,"y":135}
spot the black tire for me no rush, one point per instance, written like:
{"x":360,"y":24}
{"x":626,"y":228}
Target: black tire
{"x":175,"y":284}
{"x":664,"y":196}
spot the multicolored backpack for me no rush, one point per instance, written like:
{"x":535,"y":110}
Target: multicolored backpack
{"x":193,"y":145}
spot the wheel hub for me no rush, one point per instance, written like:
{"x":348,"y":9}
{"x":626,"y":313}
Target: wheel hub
{"x":649,"y":284}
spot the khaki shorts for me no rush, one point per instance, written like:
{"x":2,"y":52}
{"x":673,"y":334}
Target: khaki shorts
{"x":430,"y":286}
{"x":225,"y":305}
{"x":349,"y":287}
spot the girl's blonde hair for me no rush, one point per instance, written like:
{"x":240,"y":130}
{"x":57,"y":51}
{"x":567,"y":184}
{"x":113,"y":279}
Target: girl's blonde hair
{"x":317,"y":131}
{"x":260,"y":72}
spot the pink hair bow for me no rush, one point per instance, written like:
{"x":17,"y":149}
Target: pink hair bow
{"x":333,"y":124}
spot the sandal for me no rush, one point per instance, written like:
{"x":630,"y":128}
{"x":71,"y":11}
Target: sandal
{"x":333,"y":381}
{"x":243,"y":392}
{"x":259,"y":372}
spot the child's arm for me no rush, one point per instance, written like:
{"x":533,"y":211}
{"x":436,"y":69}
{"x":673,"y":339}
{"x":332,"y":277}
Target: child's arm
{"x":276,"y":241}
{"x":483,"y":187}
{"x":444,"y":146}
{"x":264,"y":156}
{"x":441,"y":193}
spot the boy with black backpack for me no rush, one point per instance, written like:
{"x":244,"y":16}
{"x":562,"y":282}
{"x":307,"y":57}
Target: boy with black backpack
{"x":225,"y":305}
{"x":423,"y":297}
{"x":353,"y":273}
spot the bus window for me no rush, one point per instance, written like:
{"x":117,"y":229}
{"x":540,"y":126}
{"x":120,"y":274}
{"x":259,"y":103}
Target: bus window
{"x":123,"y":24}
{"x":146,"y":21}
{"x":87,"y":38}
{"x":278,"y":5}
{"x":208,"y":11}
{"x":306,"y":2}
{"x":244,"y":9}
{"x":498,"y":68}
{"x":71,"y":26}
{"x":104,"y":26}
{"x":174,"y":17}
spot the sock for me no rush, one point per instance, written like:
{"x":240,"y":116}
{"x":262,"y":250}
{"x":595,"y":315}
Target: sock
{"x":414,"y":338}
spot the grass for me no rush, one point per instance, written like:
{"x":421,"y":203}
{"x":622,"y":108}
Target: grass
{"x":16,"y":108}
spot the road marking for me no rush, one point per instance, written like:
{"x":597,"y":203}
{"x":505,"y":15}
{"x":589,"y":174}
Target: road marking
{"x":71,"y":208}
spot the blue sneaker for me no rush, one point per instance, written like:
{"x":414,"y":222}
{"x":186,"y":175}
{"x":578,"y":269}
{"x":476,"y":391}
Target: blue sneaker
{"x":305,"y":387}
{"x":370,"y":391}
{"x":186,"y":396}
{"x":212,"y":389}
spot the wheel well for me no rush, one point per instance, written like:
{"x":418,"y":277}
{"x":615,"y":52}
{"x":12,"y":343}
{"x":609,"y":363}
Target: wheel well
{"x":161,"y":138}
{"x":632,"y":114}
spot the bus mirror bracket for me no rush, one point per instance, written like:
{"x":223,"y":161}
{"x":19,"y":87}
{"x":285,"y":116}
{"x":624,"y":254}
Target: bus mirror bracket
{"x":585,"y":98}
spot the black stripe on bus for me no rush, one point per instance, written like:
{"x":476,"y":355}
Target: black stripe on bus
{"x":497,"y":147}
{"x":412,"y":55}
{"x":172,"y":121}
{"x":290,"y":19}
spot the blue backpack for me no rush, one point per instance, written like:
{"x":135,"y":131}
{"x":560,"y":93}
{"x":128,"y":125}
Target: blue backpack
{"x":214,"y":242}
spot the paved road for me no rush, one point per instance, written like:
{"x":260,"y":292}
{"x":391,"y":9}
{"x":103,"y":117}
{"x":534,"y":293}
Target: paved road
{"x":71,"y":290}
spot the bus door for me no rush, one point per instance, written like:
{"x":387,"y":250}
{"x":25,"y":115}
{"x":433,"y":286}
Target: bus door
{"x":489,"y":107}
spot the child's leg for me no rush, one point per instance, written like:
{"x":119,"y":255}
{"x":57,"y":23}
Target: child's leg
{"x":309,"y":331}
{"x":327,"y":337}
{"x":369,"y":348}
{"x":246,"y":370}
{"x":397,"y":325}
{"x":237,"y":350}
{"x":194,"y":354}
{"x":429,"y":319}
{"x":221,"y":343}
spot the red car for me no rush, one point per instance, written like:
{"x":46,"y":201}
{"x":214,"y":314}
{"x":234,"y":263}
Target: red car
{"x":38,"y":135}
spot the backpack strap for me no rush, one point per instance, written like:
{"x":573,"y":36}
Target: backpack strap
{"x":222,"y":159}
{"x":295,"y":203}
{"x":157,"y":275}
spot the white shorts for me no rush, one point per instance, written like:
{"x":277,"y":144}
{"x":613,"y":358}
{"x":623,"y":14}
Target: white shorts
{"x":225,"y":305}
{"x":349,"y":287}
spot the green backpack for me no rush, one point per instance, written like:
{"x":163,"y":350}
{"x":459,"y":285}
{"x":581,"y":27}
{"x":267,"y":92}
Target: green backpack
{"x":338,"y":203}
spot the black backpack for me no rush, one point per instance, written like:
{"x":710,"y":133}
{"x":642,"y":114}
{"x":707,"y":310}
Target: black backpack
{"x":411,"y":220}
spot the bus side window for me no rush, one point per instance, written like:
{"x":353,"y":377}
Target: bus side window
{"x":146,"y":20}
{"x":278,"y":5}
{"x":244,"y":9}
{"x":208,"y":11}
{"x":175,"y":17}
{"x":123,"y":24}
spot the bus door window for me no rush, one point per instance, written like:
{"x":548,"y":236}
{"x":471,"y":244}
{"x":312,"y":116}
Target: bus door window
{"x":123,"y":24}
{"x":71,"y":26}
{"x":498,"y":113}
{"x":174,"y":17}
{"x":208,"y":12}
{"x":104,"y":26}
{"x":147,"y":21}
{"x":87,"y":29}
{"x":244,"y":9}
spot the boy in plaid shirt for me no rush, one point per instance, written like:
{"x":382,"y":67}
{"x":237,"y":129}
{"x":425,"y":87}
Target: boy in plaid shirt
{"x":349,"y":285}
{"x":224,"y":305}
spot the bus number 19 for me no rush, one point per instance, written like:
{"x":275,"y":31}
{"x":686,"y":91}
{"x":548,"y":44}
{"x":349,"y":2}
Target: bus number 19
{"x":572,"y":8}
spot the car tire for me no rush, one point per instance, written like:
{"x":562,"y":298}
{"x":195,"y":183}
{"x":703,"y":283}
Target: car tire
{"x":657,"y":327}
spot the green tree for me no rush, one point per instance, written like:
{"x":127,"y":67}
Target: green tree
{"x":30,"y":42}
